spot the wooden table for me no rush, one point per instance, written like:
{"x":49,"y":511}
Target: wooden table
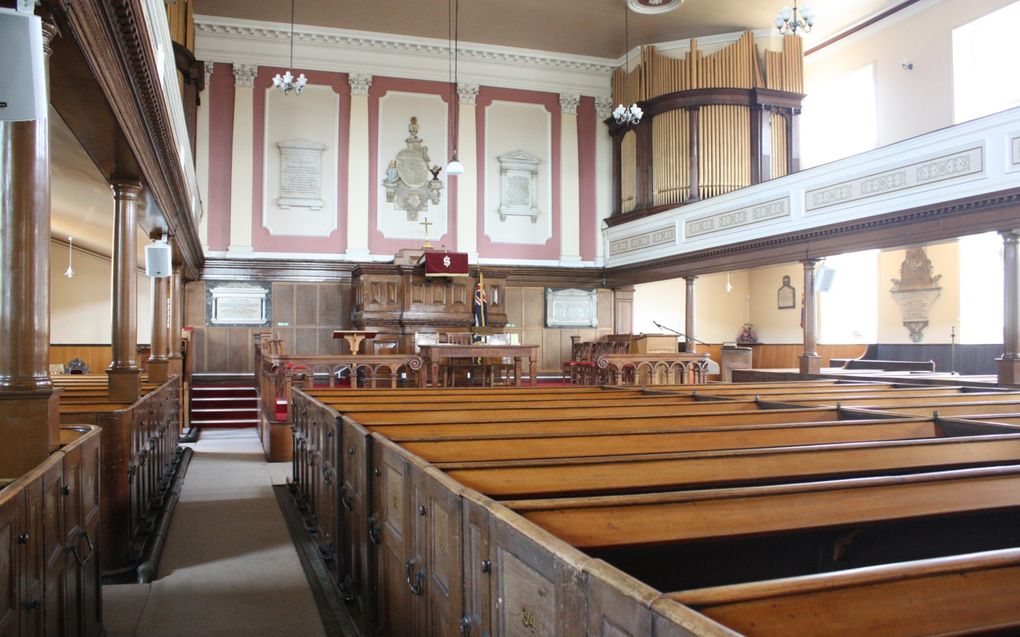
{"x":434,"y":354}
{"x":354,"y":338}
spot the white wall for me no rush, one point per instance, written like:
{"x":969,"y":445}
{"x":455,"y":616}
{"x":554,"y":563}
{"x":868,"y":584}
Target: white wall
{"x":81,"y":307}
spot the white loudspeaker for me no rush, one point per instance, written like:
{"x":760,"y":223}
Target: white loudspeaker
{"x":22,"y":67}
{"x":158,"y":263}
{"x":823,"y":280}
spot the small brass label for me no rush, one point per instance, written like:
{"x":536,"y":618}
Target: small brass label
{"x":528,"y":619}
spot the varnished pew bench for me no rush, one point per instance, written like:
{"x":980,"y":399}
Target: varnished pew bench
{"x":693,"y":436}
{"x":881,"y":401}
{"x":700,"y":469}
{"x":969,"y":594}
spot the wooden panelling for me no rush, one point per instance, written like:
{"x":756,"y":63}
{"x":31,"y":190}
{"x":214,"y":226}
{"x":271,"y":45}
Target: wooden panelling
{"x":784,"y":356}
{"x":283,"y":303}
{"x":306,"y":301}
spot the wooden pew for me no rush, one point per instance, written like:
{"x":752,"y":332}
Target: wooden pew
{"x":468,"y":448}
{"x":962,"y":594}
{"x":685,"y":516}
{"x":688,"y":470}
{"x":888,"y":402}
{"x":139,"y":443}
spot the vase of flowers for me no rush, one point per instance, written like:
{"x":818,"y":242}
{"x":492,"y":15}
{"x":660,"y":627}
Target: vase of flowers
{"x":747,"y":335}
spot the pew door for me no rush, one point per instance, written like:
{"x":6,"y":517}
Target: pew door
{"x":92,"y":603}
{"x":53,"y":550}
{"x":354,"y":537}
{"x":74,"y":531}
{"x":618,"y":604}
{"x":439,"y":537}
{"x":477,"y":565}
{"x":10,"y":585}
{"x":539,"y":588}
{"x":397,"y":567}
{"x":34,"y":565}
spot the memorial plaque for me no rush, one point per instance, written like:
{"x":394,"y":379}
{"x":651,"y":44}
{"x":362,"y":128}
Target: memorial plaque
{"x":518,"y":185}
{"x":300,"y":174}
{"x":571,"y":308}
{"x":237,"y":304}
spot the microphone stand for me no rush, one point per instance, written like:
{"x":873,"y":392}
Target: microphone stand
{"x":680,"y":334}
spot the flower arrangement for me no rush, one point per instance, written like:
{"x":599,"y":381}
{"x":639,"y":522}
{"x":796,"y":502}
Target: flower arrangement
{"x":747,"y":334}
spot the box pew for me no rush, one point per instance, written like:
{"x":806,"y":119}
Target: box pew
{"x":49,"y":536}
{"x":688,"y":516}
{"x":692,"y":470}
{"x":546,"y":423}
{"x":984,"y":410}
{"x":961,"y":594}
{"x":889,"y":402}
{"x":580,"y":445}
{"x":827,"y":396}
{"x":139,"y":450}
{"x":375,"y":406}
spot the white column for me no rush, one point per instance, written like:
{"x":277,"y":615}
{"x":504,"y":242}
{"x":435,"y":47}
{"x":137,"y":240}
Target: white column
{"x":467,"y":184}
{"x":241,"y":159}
{"x":357,"y":169}
{"x":603,"y":174}
{"x":202,"y":152}
{"x":570,"y":183}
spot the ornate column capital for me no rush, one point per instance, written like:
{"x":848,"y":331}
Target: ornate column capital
{"x":360,"y":83}
{"x":124,"y":188}
{"x":603,"y":108}
{"x":569,"y":103}
{"x":467,"y":93}
{"x":244,"y":75}
{"x":208,"y":67}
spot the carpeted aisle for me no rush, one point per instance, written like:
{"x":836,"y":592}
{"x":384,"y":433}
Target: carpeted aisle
{"x":229,"y":567}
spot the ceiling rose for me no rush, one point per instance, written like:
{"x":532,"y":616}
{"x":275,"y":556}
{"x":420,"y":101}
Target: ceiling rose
{"x":654,"y":6}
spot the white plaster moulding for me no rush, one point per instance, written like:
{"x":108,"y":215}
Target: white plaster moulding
{"x":383,"y":258}
{"x":867,"y":32}
{"x":991,"y":133}
{"x":348,"y":51}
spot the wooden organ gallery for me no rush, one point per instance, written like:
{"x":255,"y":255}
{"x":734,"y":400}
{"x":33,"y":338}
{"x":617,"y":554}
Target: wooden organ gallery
{"x":476,"y":438}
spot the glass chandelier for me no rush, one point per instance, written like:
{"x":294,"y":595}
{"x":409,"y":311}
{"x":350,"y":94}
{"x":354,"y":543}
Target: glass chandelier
{"x":791,"y":21}
{"x":287,"y":82}
{"x":627,"y":115}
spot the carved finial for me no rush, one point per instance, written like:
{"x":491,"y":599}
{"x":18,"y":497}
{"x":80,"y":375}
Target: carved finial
{"x":413,"y":127}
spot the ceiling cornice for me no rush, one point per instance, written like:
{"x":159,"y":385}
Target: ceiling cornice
{"x":319,"y":48}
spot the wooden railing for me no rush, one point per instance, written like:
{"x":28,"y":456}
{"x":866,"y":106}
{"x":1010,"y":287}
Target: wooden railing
{"x":653,"y":369}
{"x":50,"y":542}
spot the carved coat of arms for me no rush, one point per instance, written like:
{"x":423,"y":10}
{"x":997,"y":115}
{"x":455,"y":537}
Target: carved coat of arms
{"x":410,"y":183}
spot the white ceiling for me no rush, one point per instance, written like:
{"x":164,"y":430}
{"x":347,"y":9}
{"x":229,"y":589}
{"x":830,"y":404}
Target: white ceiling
{"x":582,"y":27}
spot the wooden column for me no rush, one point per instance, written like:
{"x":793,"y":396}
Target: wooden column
{"x":810,"y":362}
{"x":29,"y":416}
{"x":623,"y":310}
{"x":176,"y":321}
{"x":123,"y":373}
{"x":689,"y":314}
{"x":1009,"y":362}
{"x":159,"y":363}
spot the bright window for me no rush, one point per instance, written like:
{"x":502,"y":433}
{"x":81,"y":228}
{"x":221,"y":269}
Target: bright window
{"x":985,"y":54}
{"x":839,"y":118}
{"x":980,"y":289}
{"x":848,"y":312}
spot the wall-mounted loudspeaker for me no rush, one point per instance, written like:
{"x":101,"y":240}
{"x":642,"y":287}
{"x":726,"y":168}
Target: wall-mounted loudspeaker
{"x":22,"y":67}
{"x":158,"y":263}
{"x":823,"y":280}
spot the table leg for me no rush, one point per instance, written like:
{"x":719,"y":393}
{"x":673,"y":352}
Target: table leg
{"x":531,"y":370}
{"x":434,"y":366}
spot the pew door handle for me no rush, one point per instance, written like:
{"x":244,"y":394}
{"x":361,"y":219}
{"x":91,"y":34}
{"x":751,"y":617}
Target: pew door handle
{"x":346,"y":500}
{"x":374,"y":530}
{"x":82,"y":561}
{"x":417,"y":585}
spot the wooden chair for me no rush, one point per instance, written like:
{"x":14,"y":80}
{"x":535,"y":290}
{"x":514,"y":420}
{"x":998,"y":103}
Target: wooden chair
{"x":459,"y":369}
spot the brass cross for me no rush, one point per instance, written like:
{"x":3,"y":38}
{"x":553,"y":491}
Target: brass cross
{"x":427,"y":244}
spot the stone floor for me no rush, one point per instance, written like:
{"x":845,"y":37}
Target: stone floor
{"x":229,"y":566}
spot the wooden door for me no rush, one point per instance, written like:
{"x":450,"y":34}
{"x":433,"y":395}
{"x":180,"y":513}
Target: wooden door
{"x":53,"y":550}
{"x":397,"y":568}
{"x":74,"y":528}
{"x":441,"y":546}
{"x":9,"y":576}
{"x":33,"y":559}
{"x":355,"y":533}
{"x":477,"y":566}
{"x":92,"y":602}
{"x":617,"y":603}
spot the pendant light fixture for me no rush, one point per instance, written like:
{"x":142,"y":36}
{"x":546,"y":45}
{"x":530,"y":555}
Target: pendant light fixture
{"x":287,"y":82}
{"x":70,"y":253}
{"x":627,"y":115}
{"x":729,"y":286}
{"x":454,"y":167}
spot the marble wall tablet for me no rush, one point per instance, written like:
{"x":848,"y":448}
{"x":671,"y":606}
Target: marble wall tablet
{"x":237,"y":304}
{"x":571,"y":307}
{"x":300,"y":174}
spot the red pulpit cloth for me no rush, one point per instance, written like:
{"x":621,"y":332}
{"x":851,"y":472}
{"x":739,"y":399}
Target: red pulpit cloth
{"x":446,"y":263}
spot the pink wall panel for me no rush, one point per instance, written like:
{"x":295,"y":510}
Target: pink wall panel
{"x":586,"y":127}
{"x":550,"y":250}
{"x":262,"y":240}
{"x":377,"y":243}
{"x":221,"y":144}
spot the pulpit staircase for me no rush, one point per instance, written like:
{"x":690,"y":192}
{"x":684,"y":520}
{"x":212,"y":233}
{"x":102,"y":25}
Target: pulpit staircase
{"x":221,"y":401}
